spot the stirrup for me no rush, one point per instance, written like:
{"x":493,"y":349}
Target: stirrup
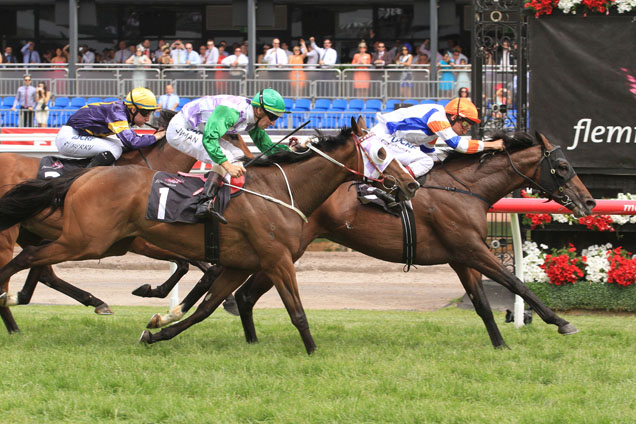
{"x":206,"y":210}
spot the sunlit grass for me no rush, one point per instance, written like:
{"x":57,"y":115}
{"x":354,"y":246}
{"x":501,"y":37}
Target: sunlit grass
{"x":69,"y":365}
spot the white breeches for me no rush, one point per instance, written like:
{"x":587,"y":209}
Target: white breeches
{"x":70,"y":143}
{"x":410,"y":155}
{"x":190,"y":141}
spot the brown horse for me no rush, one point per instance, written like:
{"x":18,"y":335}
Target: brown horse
{"x":260,"y":236}
{"x":17,"y":168}
{"x":450,"y":221}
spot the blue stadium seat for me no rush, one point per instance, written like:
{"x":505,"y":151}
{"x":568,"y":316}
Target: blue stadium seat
{"x":300,"y":111}
{"x":390,"y":105}
{"x":318,"y":115}
{"x":372,"y":107}
{"x":335,"y":116}
{"x":182,"y":102}
{"x":77,"y":102}
{"x":110,"y":99}
{"x":94,"y":100}
{"x":354,"y":109}
{"x":443,"y":102}
{"x":355,"y":105}
{"x":8,"y":101}
{"x":427,"y":102}
{"x":413,"y":102}
{"x":61,"y":102}
{"x":8,"y":117}
{"x":283,"y":121}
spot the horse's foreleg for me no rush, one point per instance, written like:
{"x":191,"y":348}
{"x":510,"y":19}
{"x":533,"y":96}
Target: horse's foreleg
{"x":486,"y":263}
{"x":227,"y":282}
{"x":283,"y":275}
{"x":162,"y":290}
{"x":471,"y":280}
{"x":7,"y":242}
{"x":204,"y":285}
{"x":246,"y":297}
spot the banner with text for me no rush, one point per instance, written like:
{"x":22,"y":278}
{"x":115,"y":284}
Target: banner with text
{"x":583,"y":89}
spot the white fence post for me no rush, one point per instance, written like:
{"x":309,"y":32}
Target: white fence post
{"x":174,"y":293}
{"x":518,"y":252}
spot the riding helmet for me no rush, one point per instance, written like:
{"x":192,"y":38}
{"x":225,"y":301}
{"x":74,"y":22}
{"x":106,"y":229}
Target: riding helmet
{"x":463,"y":108}
{"x":141,"y":98}
{"x":270,"y":100}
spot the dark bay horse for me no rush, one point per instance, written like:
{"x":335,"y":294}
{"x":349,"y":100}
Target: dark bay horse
{"x":260,"y":235}
{"x":451,"y":226}
{"x":18,"y":168}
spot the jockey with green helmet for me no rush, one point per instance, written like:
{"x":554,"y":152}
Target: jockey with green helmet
{"x":102,"y":130}
{"x":198,"y":130}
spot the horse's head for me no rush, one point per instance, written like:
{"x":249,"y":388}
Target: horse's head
{"x":379,"y":165}
{"x":557,"y":178}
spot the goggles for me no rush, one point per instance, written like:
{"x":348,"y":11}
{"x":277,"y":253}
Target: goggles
{"x":144,"y":112}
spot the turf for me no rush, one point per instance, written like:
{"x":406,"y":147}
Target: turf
{"x":69,"y":365}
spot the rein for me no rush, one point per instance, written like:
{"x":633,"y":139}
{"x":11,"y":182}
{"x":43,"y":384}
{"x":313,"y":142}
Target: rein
{"x":360,"y":173}
{"x":145,"y":160}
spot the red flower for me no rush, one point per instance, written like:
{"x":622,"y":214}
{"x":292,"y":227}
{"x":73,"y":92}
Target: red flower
{"x":563,"y":266}
{"x":597,"y":222}
{"x":541,"y":7}
{"x":538,"y":219}
{"x":622,"y":267}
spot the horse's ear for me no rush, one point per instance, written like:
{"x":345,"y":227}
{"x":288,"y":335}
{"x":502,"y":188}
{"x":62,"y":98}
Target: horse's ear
{"x":354,"y":127}
{"x":362,"y":123}
{"x":543,"y":140}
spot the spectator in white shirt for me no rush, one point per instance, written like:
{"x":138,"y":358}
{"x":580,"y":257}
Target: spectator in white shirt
{"x":276,"y":56}
{"x":327,"y":55}
{"x":237,"y":60}
{"x":192,"y":57}
{"x":29,"y":54}
{"x":87,"y":55}
{"x":212,"y":54}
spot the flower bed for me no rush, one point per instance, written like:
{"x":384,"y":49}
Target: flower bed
{"x":546,"y":7}
{"x":601,"y":277}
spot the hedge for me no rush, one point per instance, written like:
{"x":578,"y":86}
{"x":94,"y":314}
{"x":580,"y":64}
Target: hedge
{"x":582,"y":295}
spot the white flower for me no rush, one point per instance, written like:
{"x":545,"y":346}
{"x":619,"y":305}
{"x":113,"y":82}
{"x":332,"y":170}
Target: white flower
{"x":569,"y":6}
{"x":597,"y":263}
{"x":623,"y":6}
{"x":564,"y":219}
{"x":532,"y":259}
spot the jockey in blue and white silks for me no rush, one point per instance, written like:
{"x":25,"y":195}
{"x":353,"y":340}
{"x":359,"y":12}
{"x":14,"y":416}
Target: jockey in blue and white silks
{"x":102,"y":130}
{"x":411,"y":133}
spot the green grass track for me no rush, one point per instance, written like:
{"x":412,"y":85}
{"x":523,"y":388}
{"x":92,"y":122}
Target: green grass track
{"x":69,"y":365}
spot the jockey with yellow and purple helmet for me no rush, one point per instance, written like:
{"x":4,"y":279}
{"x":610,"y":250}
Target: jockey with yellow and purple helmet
{"x":411,"y":133}
{"x":102,"y":130}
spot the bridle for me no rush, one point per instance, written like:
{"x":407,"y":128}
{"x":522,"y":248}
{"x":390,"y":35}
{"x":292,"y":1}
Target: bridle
{"x":549,"y":179}
{"x":359,"y":172}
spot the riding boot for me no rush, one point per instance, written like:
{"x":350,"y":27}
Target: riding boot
{"x":102,"y":159}
{"x":205,"y":207}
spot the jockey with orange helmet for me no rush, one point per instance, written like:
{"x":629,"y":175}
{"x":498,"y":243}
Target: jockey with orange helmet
{"x":102,"y":130}
{"x":412,"y":132}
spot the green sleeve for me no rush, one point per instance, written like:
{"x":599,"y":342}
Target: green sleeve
{"x":263,"y":142}
{"x":218,"y":123}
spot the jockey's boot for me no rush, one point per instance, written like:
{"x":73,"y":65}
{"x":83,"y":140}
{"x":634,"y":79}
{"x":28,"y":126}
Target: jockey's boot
{"x":205,"y":207}
{"x":102,"y":159}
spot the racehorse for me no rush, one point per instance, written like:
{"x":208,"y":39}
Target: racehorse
{"x":17,"y":168}
{"x":259,"y":236}
{"x":450,"y":214}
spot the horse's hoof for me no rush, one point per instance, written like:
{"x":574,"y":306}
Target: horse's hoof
{"x":231,"y":307}
{"x":146,"y":337}
{"x":103,"y":309}
{"x":142,"y":291}
{"x":567,"y":329}
{"x":155,"y":321}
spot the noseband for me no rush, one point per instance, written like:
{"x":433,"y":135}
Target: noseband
{"x":549,"y":179}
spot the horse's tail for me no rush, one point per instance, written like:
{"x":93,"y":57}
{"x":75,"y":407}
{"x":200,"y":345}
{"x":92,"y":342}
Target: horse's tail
{"x":31,"y":197}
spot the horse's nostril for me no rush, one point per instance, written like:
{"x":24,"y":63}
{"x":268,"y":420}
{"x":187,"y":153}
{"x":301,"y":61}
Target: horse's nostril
{"x":590,"y":204}
{"x":413,"y":186}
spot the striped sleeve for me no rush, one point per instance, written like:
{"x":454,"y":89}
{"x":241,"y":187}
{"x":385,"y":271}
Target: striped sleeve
{"x":445,"y":133}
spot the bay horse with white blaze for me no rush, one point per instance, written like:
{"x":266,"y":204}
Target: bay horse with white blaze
{"x":260,"y":236}
{"x":450,"y":214}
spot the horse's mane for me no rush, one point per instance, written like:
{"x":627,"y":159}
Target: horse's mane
{"x":517,"y":141}
{"x":322,"y":142}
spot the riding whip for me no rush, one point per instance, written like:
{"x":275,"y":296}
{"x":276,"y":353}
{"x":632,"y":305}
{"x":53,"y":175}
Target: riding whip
{"x":276,"y":144}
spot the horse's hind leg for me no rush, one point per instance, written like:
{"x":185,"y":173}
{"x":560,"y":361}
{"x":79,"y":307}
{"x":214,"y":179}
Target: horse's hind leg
{"x":227,"y":282}
{"x":162,"y":290}
{"x":485,"y":262}
{"x":471,"y":280}
{"x":246,"y":297}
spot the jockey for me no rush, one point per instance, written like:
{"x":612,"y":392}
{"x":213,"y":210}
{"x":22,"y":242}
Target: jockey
{"x":91,"y":131}
{"x":411,"y":132}
{"x":198,"y":130}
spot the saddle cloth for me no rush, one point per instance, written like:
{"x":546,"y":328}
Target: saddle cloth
{"x":53,"y":166}
{"x":174,"y":197}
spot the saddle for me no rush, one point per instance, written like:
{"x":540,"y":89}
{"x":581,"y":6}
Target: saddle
{"x":54,"y":166}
